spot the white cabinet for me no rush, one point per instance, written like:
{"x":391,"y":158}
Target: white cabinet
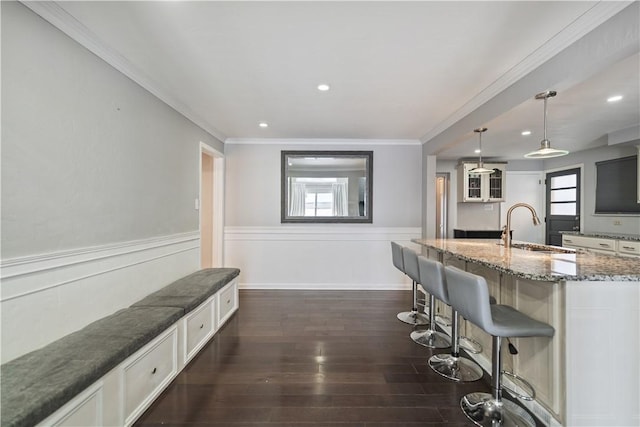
{"x":83,"y":411}
{"x":481,"y":188}
{"x":628,"y":248}
{"x":149,"y":372}
{"x":125,"y":392}
{"x":227,"y":302}
{"x":593,"y":244}
{"x":198,"y":327}
{"x":602,"y":245}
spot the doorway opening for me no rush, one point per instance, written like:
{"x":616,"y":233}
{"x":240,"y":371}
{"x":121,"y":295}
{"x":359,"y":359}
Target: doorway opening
{"x":211,"y":205}
{"x":442,"y":203}
{"x":562,"y":204}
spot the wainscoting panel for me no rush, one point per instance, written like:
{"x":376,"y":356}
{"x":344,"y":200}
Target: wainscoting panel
{"x":317,"y":257}
{"x":47,"y":296}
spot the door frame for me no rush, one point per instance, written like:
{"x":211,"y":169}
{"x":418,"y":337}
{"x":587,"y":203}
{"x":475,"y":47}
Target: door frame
{"x":218,"y":203}
{"x":443,"y":221}
{"x":564,"y":168}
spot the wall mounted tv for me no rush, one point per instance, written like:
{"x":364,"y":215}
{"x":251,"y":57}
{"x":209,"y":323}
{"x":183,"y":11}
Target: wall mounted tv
{"x":617,"y":186}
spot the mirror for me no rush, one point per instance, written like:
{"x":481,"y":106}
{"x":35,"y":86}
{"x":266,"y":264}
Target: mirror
{"x":326,"y":186}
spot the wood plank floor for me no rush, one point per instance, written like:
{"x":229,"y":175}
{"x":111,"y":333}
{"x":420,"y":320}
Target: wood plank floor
{"x":313,"y":359}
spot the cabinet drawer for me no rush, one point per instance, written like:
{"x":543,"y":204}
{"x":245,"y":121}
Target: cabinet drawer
{"x":601,"y":244}
{"x":148,"y":373}
{"x":198,"y":328}
{"x":626,"y":247}
{"x":227,"y":302}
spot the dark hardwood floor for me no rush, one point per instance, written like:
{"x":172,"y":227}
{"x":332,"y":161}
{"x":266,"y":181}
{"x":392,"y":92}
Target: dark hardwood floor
{"x":313,"y":359}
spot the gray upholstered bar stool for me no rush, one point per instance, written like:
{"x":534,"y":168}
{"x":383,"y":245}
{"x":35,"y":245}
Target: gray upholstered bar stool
{"x":469,"y":294}
{"x":413,"y":317}
{"x":452,"y":366}
{"x":432,"y":280}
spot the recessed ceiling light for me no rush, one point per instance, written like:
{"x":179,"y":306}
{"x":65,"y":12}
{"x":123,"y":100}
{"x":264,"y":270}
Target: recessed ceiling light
{"x":614,"y":98}
{"x":526,"y":132}
{"x":263,"y":124}
{"x":323,"y":87}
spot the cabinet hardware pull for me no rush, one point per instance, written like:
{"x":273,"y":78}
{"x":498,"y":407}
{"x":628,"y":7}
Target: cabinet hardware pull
{"x":604,"y":245}
{"x":154,"y":370}
{"x":629,"y":247}
{"x":228,"y":301}
{"x":202,"y":326}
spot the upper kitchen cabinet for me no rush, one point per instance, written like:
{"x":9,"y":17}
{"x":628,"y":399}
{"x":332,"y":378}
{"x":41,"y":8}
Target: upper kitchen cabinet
{"x":484,"y":188}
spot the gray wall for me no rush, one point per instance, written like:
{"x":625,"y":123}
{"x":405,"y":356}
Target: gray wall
{"x":252,"y":195}
{"x":629,"y":224}
{"x":88,"y":156}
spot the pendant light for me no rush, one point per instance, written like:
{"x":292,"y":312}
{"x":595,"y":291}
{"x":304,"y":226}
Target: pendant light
{"x":545,"y":151}
{"x":480,"y":169}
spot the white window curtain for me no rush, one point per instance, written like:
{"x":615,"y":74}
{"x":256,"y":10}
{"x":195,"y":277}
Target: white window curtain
{"x":340,"y":199}
{"x":296,"y":203}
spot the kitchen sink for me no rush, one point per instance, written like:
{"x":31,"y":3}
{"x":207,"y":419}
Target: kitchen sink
{"x":542,"y":248}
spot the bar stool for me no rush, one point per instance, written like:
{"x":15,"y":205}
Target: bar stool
{"x":452,"y":366}
{"x":413,"y":317}
{"x":432,"y":280}
{"x":469,"y":293}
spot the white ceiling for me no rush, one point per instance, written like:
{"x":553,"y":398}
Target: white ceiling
{"x":397,"y":70}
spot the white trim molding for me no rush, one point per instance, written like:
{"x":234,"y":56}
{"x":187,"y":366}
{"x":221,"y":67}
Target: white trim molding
{"x":329,"y":232}
{"x":53,"y":13}
{"x":320,"y":141}
{"x":326,"y":286}
{"x":15,"y":272}
{"x":45,"y":297}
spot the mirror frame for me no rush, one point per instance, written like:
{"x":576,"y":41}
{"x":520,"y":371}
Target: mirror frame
{"x":284,"y":202}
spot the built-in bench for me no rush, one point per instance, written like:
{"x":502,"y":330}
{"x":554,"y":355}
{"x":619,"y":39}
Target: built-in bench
{"x":109,"y":372}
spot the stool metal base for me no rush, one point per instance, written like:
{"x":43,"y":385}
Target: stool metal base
{"x":458,"y":369}
{"x":430,"y":338}
{"x":413,"y":318}
{"x":485,"y":411}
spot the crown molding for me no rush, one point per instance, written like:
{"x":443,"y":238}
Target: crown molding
{"x":53,"y":13}
{"x":319,"y":141}
{"x":587,"y":22}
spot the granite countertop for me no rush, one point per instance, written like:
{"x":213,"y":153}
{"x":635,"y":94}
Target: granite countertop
{"x":602,"y":234}
{"x":575,"y":266}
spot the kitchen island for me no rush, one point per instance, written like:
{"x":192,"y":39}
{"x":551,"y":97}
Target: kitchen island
{"x":589,"y":372}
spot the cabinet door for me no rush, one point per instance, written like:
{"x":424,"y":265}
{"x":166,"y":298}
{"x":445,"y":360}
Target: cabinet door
{"x":149,"y":372}
{"x":83,"y":411}
{"x":474,"y":190}
{"x":540,"y":359}
{"x":495,"y":183}
{"x":628,"y":248}
{"x":481,"y":188}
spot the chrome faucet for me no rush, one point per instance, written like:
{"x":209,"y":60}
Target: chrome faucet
{"x":506,"y":230}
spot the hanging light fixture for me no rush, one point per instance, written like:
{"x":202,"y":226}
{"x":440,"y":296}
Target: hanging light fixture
{"x":480,"y":169}
{"x":545,"y":151}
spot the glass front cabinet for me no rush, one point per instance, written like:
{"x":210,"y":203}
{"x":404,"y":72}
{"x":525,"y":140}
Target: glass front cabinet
{"x":487,"y":188}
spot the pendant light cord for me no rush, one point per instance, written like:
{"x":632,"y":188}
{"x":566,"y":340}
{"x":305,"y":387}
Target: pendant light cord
{"x":545,"y":117}
{"x":480,"y":153}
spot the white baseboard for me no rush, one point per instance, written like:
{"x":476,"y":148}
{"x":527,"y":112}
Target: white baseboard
{"x":327,"y":286}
